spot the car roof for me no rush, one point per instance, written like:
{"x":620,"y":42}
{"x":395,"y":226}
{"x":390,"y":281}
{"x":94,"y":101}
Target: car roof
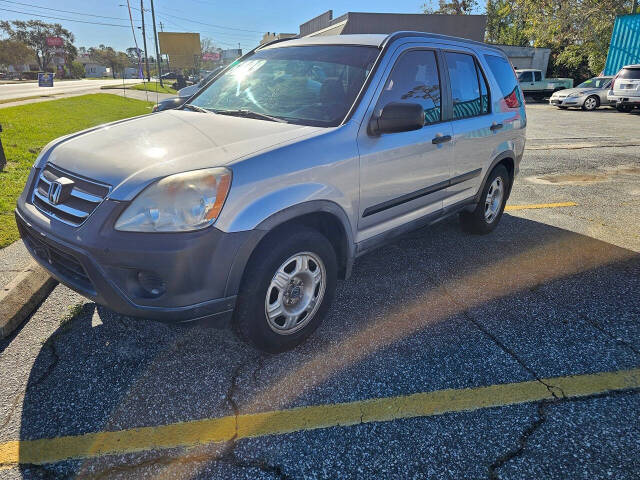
{"x":636,"y":65}
{"x":369,"y":39}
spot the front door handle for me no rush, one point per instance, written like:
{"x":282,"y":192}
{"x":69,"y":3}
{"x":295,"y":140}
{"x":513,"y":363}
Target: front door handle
{"x":495,"y":126}
{"x":440,"y":139}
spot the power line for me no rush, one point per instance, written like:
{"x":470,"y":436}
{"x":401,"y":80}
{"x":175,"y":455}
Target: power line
{"x":63,"y":11}
{"x":61,"y":18}
{"x":214,"y":25}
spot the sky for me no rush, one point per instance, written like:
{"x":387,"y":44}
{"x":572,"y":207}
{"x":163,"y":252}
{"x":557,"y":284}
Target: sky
{"x":227,"y":23}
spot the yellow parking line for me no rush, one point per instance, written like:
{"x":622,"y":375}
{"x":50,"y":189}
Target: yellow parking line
{"x":213,"y":430}
{"x":509,"y":208}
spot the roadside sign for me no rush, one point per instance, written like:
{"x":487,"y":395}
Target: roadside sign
{"x":55,"y":42}
{"x":45,"y":79}
{"x":211,"y":56}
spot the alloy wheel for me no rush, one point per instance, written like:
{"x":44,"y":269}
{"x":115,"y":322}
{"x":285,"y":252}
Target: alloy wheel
{"x":295,"y":293}
{"x":493,"y":200}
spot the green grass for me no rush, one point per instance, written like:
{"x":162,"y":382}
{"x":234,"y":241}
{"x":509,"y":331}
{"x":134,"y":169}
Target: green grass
{"x":28,"y":128}
{"x":149,"y":87}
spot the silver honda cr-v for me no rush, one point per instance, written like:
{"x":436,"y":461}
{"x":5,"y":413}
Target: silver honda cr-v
{"x":247,"y":203}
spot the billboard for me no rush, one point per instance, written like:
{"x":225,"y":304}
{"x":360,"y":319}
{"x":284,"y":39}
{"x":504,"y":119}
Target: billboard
{"x":211,"y":57}
{"x":183,"y":49}
{"x":55,"y":42}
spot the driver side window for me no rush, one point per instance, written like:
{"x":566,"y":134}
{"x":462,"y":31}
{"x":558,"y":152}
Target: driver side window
{"x":414,"y":79}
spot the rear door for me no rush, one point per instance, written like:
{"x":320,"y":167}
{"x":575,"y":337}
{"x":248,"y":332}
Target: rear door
{"x":475,"y":133}
{"x":403,"y":175}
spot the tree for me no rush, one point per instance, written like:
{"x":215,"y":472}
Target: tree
{"x":34,"y":34}
{"x":109,"y":57}
{"x":577,"y":31}
{"x":13,"y":52}
{"x":506,"y":23}
{"x":77,"y":70}
{"x":451,"y":7}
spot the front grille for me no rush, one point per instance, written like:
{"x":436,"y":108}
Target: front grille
{"x":81,"y":199}
{"x":65,"y":264}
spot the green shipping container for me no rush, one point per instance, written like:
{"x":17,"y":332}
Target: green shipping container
{"x":624,"y":48}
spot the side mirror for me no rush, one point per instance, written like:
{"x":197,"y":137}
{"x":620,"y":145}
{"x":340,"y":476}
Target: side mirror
{"x":397,"y":117}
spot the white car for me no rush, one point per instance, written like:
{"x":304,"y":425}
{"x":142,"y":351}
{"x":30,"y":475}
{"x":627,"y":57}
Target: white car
{"x":625,"y":88}
{"x":588,"y":95}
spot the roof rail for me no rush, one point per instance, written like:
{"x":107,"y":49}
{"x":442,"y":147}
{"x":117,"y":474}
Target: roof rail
{"x":434,"y":36}
{"x":277,"y":40}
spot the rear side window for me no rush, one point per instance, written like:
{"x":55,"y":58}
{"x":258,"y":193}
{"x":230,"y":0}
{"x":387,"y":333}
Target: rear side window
{"x":414,"y":79}
{"x":630,"y":73}
{"x":468,"y":87}
{"x":506,"y":78}
{"x":537,"y":76}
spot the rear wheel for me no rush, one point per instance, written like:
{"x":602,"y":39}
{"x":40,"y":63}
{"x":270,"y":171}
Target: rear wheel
{"x":624,"y":108}
{"x":591,"y":103}
{"x":488,"y":212}
{"x":287,"y":289}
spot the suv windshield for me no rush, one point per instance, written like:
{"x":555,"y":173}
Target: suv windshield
{"x":595,"y":82}
{"x":310,"y":85}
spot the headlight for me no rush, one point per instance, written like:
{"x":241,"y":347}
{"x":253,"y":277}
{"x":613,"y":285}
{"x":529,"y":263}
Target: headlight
{"x":178,"y":203}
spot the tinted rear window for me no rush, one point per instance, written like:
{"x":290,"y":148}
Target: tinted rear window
{"x":630,"y":73}
{"x":506,"y":78}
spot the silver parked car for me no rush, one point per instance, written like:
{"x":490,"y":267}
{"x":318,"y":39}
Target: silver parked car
{"x":249,"y":202}
{"x":588,"y":95}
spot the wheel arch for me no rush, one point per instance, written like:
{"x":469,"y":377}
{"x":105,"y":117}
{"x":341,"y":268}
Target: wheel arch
{"x":506,"y":158}
{"x":325,"y":216}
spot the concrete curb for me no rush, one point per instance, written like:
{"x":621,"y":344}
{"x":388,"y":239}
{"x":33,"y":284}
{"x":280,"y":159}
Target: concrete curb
{"x":22,"y":295}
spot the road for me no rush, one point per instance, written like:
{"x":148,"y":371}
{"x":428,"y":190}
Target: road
{"x":60,"y":88}
{"x":445,"y":356}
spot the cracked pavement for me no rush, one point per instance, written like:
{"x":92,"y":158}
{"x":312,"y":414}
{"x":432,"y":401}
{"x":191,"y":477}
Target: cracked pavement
{"x":551,"y":292}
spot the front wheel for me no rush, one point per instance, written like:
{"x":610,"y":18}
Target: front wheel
{"x":591,"y":103}
{"x":624,"y":108}
{"x":488,"y":212}
{"x":286,"y":290}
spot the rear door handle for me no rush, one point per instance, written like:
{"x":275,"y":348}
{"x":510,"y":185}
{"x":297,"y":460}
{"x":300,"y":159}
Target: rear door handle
{"x":495,"y":126}
{"x":440,"y":139}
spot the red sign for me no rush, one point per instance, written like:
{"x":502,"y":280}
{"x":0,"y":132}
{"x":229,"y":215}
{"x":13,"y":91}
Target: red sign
{"x":210,"y":57}
{"x":55,"y":42}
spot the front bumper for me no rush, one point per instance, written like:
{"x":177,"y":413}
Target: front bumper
{"x":191,"y":271}
{"x":566,"y":101}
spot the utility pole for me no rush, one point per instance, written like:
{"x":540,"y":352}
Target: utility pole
{"x":144,"y":39}
{"x":155,"y":38}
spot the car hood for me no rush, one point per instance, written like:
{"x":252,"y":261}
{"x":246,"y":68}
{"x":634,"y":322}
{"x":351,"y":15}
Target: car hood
{"x":188,"y":91}
{"x":582,"y":91}
{"x":129,"y":154}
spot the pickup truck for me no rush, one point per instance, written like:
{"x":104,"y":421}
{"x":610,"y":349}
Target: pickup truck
{"x":534,"y":83}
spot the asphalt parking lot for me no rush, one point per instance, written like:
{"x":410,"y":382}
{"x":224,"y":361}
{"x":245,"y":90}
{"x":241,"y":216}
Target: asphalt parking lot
{"x":514,"y":355}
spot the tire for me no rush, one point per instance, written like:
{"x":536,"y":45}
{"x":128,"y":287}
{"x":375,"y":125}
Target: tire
{"x":477,"y":221}
{"x":563,"y":108}
{"x":591,"y":103}
{"x":286,"y":254}
{"x":624,"y":108}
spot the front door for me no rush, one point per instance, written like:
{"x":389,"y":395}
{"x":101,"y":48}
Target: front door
{"x":403,"y":176}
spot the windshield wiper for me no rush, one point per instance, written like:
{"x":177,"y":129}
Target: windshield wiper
{"x":195,"y":108}
{"x":251,"y":114}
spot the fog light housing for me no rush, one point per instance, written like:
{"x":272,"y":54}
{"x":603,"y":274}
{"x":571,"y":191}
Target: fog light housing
{"x":151,"y":283}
